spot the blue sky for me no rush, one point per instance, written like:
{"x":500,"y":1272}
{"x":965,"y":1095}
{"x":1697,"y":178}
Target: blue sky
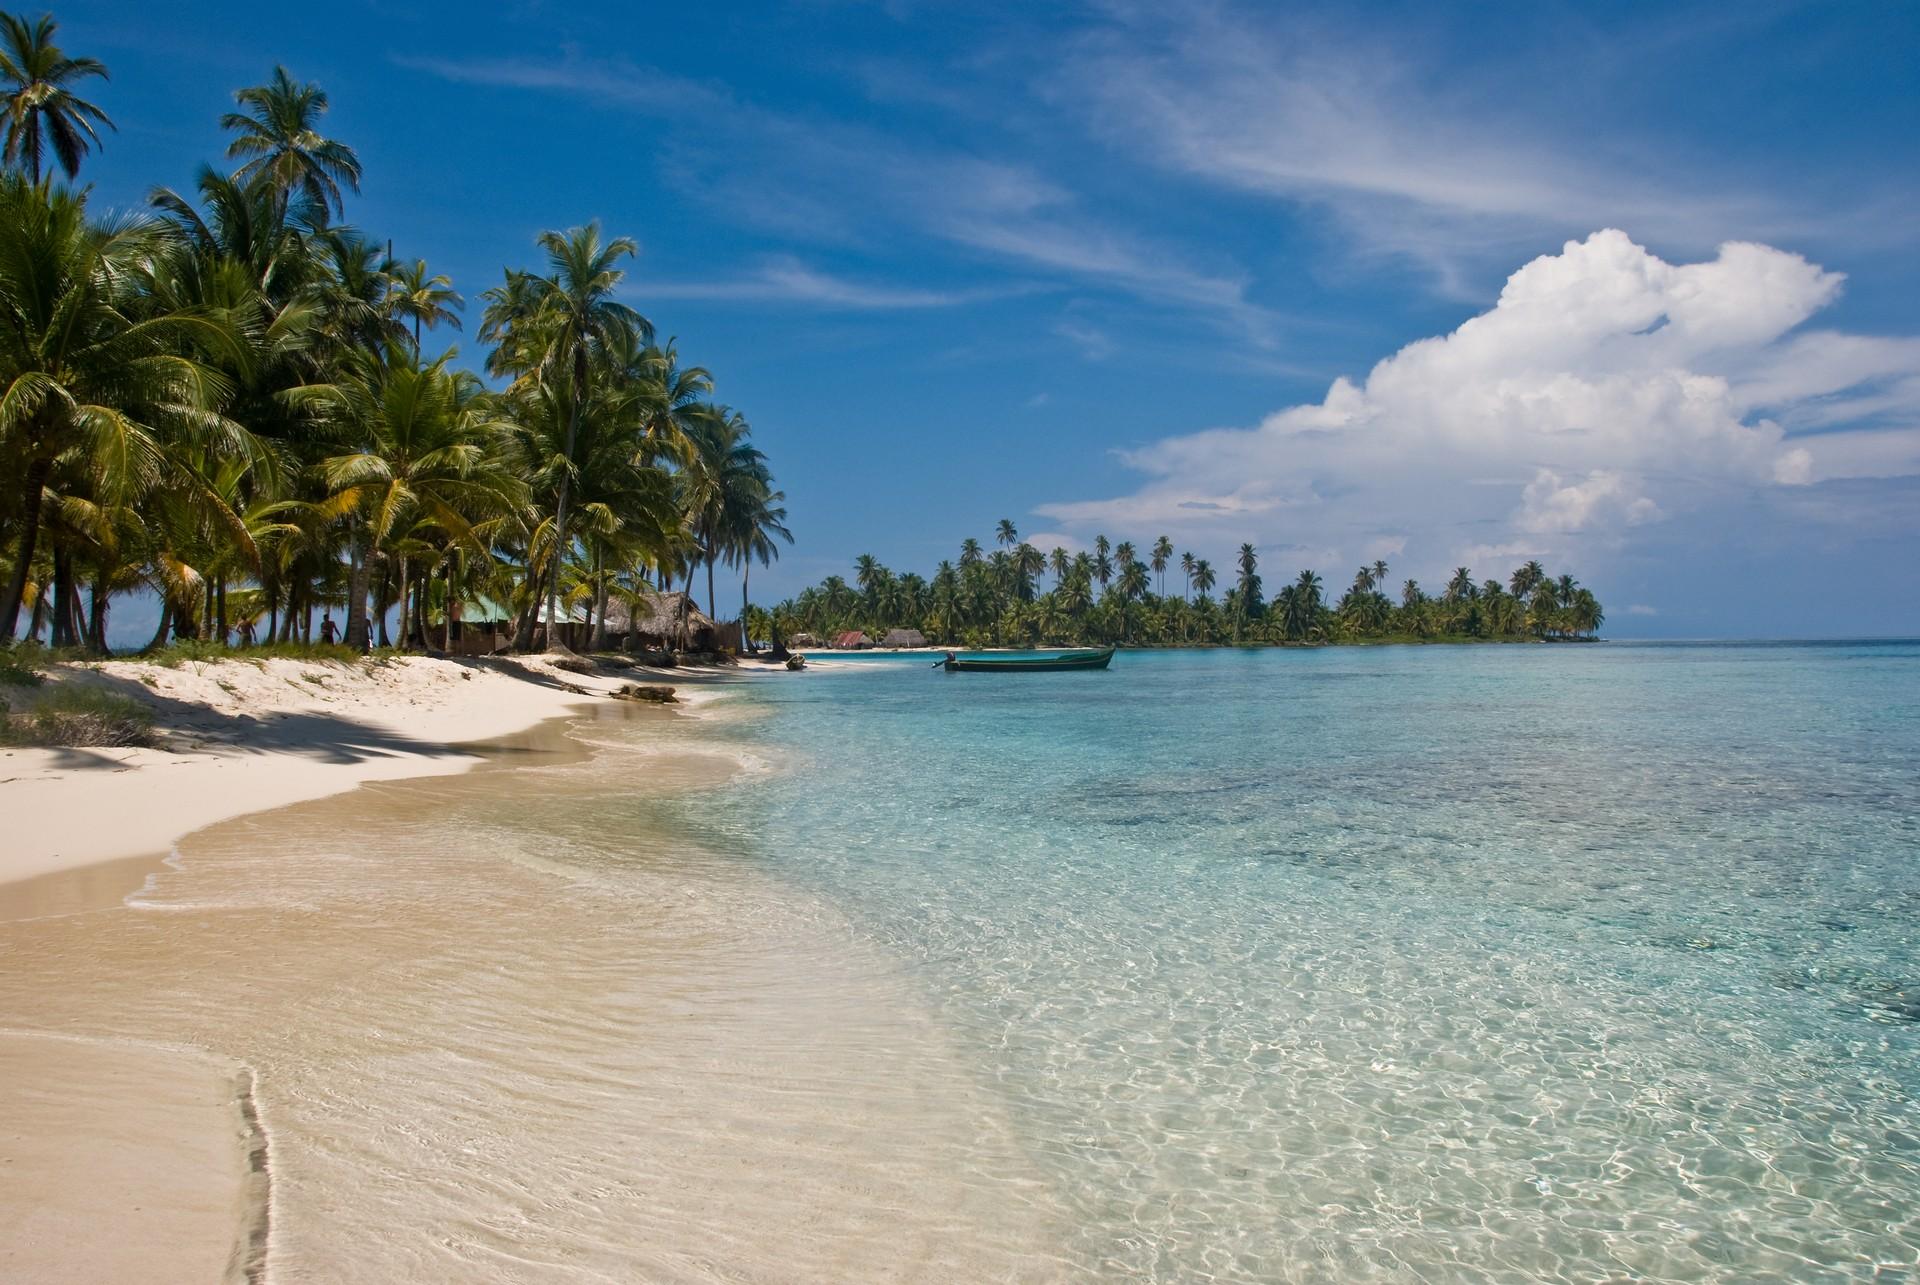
{"x":1441,"y":284}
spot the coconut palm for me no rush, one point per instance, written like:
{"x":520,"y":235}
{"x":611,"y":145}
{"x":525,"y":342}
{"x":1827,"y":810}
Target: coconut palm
{"x":39,"y":107}
{"x":1162,"y":554}
{"x":726,"y":480}
{"x":83,"y":385}
{"x":1005,"y":533}
{"x":551,"y":328}
{"x":429,"y":453}
{"x":1526,"y":579}
{"x":414,"y":296}
{"x":1203,"y":578}
{"x":278,"y":138}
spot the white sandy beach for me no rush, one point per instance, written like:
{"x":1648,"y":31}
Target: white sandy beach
{"x":241,"y":736}
{"x":386,"y":1035}
{"x":124,"y":1159}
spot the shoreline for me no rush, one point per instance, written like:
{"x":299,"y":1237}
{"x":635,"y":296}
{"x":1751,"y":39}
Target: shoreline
{"x":239,"y":736}
{"x":311,"y":1025}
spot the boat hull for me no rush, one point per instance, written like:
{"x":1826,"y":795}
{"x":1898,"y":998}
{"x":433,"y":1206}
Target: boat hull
{"x":1035,"y":665}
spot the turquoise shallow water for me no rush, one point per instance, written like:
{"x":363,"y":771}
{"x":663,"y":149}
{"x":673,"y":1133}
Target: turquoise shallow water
{"x":1520,"y":963}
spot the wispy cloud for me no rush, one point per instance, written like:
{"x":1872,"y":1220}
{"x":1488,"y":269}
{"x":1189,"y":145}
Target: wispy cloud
{"x":791,"y":281}
{"x":1354,"y":125}
{"x":847,"y":184}
{"x":611,"y":81}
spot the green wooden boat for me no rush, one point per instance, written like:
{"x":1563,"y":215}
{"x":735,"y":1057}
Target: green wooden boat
{"x":1027,"y":664}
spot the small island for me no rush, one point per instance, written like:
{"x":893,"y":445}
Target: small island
{"x":1111,"y":596}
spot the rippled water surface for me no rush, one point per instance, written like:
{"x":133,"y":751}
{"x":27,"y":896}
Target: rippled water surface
{"x":1522,"y":963}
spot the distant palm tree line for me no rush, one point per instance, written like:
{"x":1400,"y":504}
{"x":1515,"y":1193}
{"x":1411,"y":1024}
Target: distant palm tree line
{"x":1109,"y":595}
{"x":227,"y":401}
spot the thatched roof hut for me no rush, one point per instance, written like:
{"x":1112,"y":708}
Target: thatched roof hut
{"x":904,"y":638}
{"x":663,"y":620}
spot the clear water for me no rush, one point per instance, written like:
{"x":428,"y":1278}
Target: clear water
{"x":1523,"y":963}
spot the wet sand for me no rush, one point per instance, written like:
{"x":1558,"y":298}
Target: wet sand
{"x":506,"y":1025}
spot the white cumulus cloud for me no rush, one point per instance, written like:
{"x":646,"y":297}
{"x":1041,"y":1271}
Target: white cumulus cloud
{"x":1605,"y":389}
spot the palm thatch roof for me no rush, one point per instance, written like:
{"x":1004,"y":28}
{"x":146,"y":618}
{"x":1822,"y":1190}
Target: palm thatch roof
{"x":659,"y":615}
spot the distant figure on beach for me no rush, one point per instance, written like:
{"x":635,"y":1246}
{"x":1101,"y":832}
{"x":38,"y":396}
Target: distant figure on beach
{"x":246,"y":633}
{"x":327,"y":632}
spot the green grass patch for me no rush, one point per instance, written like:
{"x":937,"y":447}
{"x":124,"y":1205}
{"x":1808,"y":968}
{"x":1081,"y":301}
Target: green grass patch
{"x":20,"y":666}
{"x":70,"y":714}
{"x":183,"y":651}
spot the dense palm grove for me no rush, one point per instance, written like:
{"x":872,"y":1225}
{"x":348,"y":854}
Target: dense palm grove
{"x":1004,"y":598}
{"x":229,"y":401}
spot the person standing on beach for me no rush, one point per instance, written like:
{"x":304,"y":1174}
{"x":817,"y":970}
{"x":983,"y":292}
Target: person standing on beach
{"x":327,"y":631}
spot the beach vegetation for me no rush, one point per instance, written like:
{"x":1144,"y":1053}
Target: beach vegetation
{"x":1111,"y":596}
{"x":77,"y":714}
{"x":232,"y":405}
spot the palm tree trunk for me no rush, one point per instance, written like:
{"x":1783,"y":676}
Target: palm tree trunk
{"x":97,"y":615}
{"x":746,"y":643}
{"x":62,"y":598}
{"x":633,"y":617}
{"x":420,"y":612}
{"x":560,"y":509}
{"x":405,"y":608}
{"x":220,"y":608}
{"x":712,"y":606}
{"x":30,"y":491}
{"x":159,"y":638}
{"x":597,"y":639}
{"x":382,"y":601}
{"x":356,"y":597}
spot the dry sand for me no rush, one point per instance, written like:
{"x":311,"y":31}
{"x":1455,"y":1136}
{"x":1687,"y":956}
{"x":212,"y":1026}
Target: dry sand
{"x":242,"y":736}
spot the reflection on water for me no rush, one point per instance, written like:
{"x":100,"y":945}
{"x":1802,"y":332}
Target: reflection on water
{"x":1511,"y":963}
{"x":502,"y":1028}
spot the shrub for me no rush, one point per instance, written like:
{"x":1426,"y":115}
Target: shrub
{"x":72,"y":714}
{"x":17,"y":668}
{"x":181,"y":651}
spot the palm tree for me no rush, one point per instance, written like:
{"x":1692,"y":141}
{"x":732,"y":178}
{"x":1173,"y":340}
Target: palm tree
{"x":429,"y":454}
{"x":1102,"y":560}
{"x":1379,"y":570}
{"x":969,"y":552}
{"x":1203,"y":578}
{"x":82,"y":385}
{"x":1248,"y":583}
{"x":1005,"y":533}
{"x":1526,"y":579}
{"x":40,"y":108}
{"x":1132,"y":584}
{"x":1060,"y":563}
{"x":279,"y":138}
{"x":866,"y":573}
{"x":727,"y":480}
{"x":1186,"y":569}
{"x":415,"y":296}
{"x":1162,"y":553}
{"x":1028,"y":563}
{"x":761,"y":519}
{"x":552,"y":327}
